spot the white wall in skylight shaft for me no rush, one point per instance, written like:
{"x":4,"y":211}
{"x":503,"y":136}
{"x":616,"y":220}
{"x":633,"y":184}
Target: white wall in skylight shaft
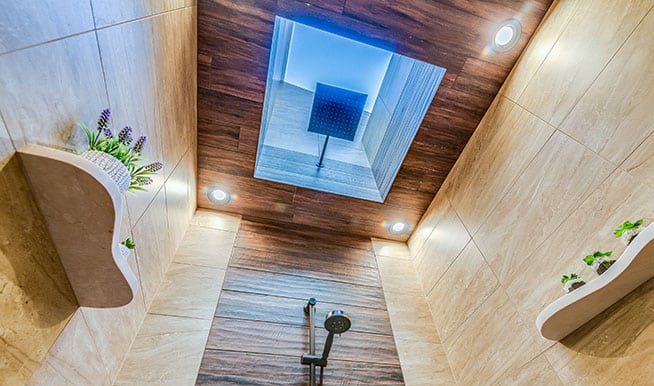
{"x":319,"y":56}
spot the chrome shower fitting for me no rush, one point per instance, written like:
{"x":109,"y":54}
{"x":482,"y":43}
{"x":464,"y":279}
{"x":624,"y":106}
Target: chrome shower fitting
{"x":336,"y":322}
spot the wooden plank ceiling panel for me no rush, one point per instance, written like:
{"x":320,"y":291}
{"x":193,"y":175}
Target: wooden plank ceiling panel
{"x":234,"y":45}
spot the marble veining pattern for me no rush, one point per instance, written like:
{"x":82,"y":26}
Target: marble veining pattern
{"x":422,"y":356}
{"x":169,"y":345}
{"x":558,"y":203}
{"x":55,"y":74}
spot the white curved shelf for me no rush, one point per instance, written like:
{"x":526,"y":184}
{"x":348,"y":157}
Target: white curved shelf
{"x":634,"y":267}
{"x":82,"y":208}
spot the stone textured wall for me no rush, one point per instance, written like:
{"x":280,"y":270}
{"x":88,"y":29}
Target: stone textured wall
{"x":564,"y":155}
{"x":61,"y":63}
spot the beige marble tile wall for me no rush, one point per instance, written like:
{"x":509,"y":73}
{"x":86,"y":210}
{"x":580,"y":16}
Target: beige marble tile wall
{"x":564,"y":155}
{"x":61,"y":63}
{"x":421,"y":353}
{"x":169,"y":346}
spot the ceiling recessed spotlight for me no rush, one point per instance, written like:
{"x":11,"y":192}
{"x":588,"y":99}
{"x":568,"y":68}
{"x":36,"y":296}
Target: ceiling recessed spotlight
{"x":219,"y":197}
{"x":507,"y":35}
{"x":399,"y":228}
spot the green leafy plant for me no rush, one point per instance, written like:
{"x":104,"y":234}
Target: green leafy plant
{"x":102,"y":139}
{"x":129,"y":243}
{"x":567,"y":278}
{"x":626,"y":226}
{"x":590,"y":259}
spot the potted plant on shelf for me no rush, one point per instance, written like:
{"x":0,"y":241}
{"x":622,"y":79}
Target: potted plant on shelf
{"x":126,"y":247}
{"x":628,"y":231}
{"x":599,"y":261}
{"x":115,"y":156}
{"x":572,"y":282}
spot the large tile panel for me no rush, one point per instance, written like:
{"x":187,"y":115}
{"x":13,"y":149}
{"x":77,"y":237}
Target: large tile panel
{"x":6,"y":147}
{"x":596,"y":31}
{"x":467,"y":284}
{"x":389,"y":248}
{"x":216,"y":220}
{"x":189,"y":291}
{"x":206,"y":247}
{"x":493,"y":340}
{"x":562,"y":175}
{"x":553,"y":24}
{"x":615,"y":115}
{"x":537,"y":371}
{"x":433,"y":214}
{"x":489,"y":168}
{"x":159,"y":101}
{"x":47,"y":20}
{"x":133,"y":93}
{"x":446,"y":241}
{"x":423,"y":363}
{"x":172,"y":349}
{"x":153,"y":249}
{"x":36,"y":299}
{"x":178,"y":199}
{"x":108,"y":12}
{"x":62,"y":365}
{"x":175,"y":76}
{"x":641,"y":162}
{"x":45,"y":103}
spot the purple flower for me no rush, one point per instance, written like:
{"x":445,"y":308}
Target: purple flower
{"x":108,"y":133}
{"x":153,"y":167}
{"x":125,"y":135}
{"x":103,"y":121}
{"x":138,"y":146}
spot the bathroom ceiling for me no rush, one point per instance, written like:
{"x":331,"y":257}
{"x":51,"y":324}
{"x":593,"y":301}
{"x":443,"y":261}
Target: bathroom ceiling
{"x":233,"y":50}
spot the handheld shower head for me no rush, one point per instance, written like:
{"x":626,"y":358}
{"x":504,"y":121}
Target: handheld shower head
{"x":337,"y":322}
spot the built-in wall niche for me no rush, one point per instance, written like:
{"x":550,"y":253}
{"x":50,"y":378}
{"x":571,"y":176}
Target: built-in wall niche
{"x":339,"y":115}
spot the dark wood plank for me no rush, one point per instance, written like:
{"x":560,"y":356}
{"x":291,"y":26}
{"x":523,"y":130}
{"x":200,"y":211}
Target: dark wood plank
{"x":285,"y":339}
{"x":218,"y":136}
{"x":237,"y":164}
{"x":311,"y":265}
{"x":316,"y":248}
{"x":361,"y":214}
{"x":227,"y":367}
{"x":286,"y":233}
{"x":298,"y":287}
{"x":278,"y":205}
{"x":266,"y":308}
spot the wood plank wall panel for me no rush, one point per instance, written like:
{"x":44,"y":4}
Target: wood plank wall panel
{"x":233,"y":46}
{"x":260,"y":329}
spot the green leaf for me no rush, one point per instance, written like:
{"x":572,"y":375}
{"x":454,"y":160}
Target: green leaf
{"x":589,"y":260}
{"x":626,"y":226}
{"x":567,"y":278}
{"x":129,"y":243}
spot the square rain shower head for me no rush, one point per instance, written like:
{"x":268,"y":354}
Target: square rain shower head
{"x":336,"y":112}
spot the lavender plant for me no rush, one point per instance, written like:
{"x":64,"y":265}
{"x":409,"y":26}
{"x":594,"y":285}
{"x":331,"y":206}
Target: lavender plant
{"x":103,"y":139}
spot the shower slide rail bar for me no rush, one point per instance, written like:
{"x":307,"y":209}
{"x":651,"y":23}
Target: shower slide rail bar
{"x":336,"y":322}
{"x":310,"y":309}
